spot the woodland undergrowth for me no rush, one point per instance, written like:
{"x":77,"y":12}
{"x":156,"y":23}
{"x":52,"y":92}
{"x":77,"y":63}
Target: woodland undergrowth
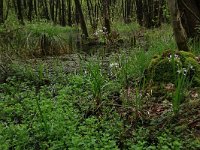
{"x":91,"y":101}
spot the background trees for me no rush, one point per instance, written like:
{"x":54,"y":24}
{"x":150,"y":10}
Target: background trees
{"x":94,"y":14}
{"x":149,"y":13}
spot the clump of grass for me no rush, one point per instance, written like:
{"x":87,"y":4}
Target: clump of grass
{"x":96,"y":80}
{"x":36,"y":39}
{"x":130,"y":65}
{"x":182,"y":83}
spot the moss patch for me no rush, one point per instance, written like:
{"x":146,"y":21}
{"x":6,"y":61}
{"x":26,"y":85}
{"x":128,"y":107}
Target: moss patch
{"x":166,"y":67}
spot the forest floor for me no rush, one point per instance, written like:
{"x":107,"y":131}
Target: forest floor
{"x":97,"y":99}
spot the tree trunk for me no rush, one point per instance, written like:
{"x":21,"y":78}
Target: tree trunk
{"x":35,"y":7}
{"x":52,"y":6}
{"x":56,"y":13}
{"x":139,"y":11}
{"x":128,"y":11}
{"x":1,"y":12}
{"x":106,"y":16}
{"x":45,"y":10}
{"x":69,"y":4}
{"x":7,"y":10}
{"x":92,"y":14}
{"x":82,"y":20}
{"x":30,"y":6}
{"x":24,"y":4}
{"x":60,"y":12}
{"x":179,"y":31}
{"x":190,"y":16}
{"x":19,"y":12}
{"x":77,"y":16}
{"x":63,"y":20}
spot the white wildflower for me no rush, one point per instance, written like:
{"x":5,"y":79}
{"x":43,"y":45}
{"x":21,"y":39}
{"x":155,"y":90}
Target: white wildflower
{"x":184,"y":71}
{"x":104,"y":28}
{"x":96,"y":33}
{"x":176,"y":56}
{"x":179,"y":71}
{"x":114,"y":65}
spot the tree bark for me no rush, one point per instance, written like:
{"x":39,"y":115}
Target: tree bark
{"x":92,"y":14}
{"x":52,"y":6}
{"x":30,"y":6}
{"x":7,"y":10}
{"x":69,"y":4}
{"x":35,"y":7}
{"x":19,"y":12}
{"x":56,"y":13}
{"x":1,"y":12}
{"x":106,"y":16}
{"x":45,"y":10}
{"x":63,"y":22}
{"x":190,"y":16}
{"x":82,"y":20}
{"x":139,"y":12}
{"x":179,"y":31}
{"x":128,"y":11}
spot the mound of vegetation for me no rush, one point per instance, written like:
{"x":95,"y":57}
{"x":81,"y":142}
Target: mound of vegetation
{"x":169,"y":66}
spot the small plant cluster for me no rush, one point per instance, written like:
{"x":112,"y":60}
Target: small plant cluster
{"x":35,"y":39}
{"x":108,"y":38}
{"x":182,"y":82}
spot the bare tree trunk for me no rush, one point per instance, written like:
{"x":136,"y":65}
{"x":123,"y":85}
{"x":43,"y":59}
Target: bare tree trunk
{"x":8,"y":9}
{"x":128,"y":11}
{"x":35,"y":7}
{"x":24,"y":4}
{"x":179,"y":31}
{"x":92,"y":14}
{"x":1,"y":12}
{"x":63,"y":22}
{"x":19,"y":12}
{"x":77,"y":16}
{"x":52,"y":6}
{"x":106,"y":16}
{"x":190,"y":16}
{"x":30,"y":6}
{"x":82,"y":20}
{"x":45,"y":10}
{"x":139,"y":12}
{"x":60,"y":12}
{"x":69,"y":4}
{"x":56,"y":13}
